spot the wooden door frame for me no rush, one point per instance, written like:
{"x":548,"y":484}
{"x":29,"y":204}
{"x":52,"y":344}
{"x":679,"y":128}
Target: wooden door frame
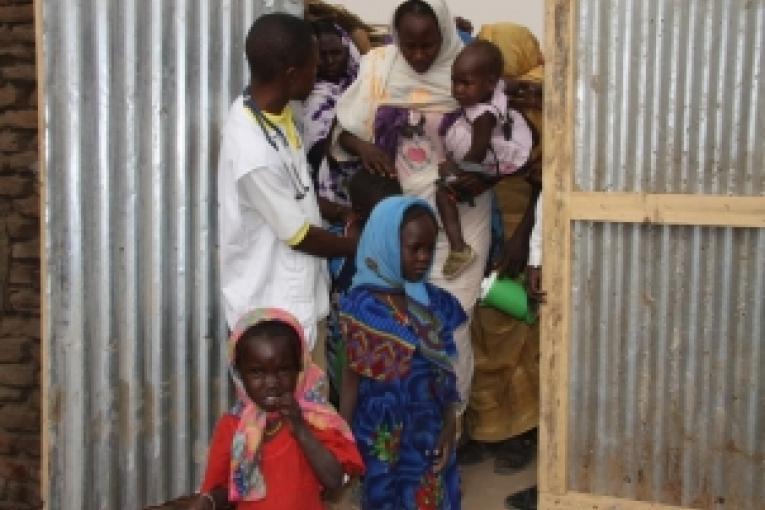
{"x":562,"y":206}
{"x":45,"y":414}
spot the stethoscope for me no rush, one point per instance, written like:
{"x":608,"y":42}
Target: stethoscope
{"x":269,"y":127}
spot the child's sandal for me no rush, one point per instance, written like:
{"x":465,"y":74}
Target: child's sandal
{"x":457,"y":262}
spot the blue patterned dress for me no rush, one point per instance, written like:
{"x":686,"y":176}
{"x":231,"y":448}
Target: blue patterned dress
{"x":407,"y":381}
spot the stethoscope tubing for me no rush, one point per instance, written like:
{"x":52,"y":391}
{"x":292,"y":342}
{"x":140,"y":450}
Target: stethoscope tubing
{"x":265,"y":126}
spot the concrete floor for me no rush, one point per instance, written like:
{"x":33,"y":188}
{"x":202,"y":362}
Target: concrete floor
{"x":482,"y":489}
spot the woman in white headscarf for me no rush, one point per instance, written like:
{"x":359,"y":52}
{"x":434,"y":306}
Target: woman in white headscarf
{"x":390,"y":119}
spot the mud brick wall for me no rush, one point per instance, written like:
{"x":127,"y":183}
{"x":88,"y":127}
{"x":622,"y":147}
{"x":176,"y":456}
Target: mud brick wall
{"x":19,"y":261}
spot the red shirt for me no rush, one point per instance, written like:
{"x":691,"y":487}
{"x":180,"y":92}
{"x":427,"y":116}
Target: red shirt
{"x":290,"y":481}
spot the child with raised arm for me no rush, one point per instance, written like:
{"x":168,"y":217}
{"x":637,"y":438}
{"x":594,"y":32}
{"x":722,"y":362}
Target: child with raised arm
{"x":483,"y":136}
{"x":282,"y":444}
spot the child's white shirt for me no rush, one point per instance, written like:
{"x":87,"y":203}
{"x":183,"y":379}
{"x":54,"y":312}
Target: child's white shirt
{"x":507,"y":156}
{"x":259,"y":214}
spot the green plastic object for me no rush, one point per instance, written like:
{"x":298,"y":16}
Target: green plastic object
{"x":508,"y":296}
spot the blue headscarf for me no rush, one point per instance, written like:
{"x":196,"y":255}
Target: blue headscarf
{"x":378,"y":256}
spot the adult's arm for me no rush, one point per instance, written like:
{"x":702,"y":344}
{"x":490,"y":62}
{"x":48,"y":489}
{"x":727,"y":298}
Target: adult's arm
{"x":523,"y":94}
{"x":263,"y":191}
{"x":372,"y":157}
{"x":323,"y":243}
{"x":332,"y":211}
{"x":516,"y":250}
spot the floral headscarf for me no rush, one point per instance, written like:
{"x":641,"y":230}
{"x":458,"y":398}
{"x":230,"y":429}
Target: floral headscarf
{"x":319,"y":108}
{"x":247,"y":482}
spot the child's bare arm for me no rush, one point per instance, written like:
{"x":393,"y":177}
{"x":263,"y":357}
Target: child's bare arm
{"x":325,"y":466}
{"x":481,"y":137}
{"x":349,"y":394}
{"x":446,"y":439}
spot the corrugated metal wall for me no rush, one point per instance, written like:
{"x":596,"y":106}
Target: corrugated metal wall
{"x":670,"y":96}
{"x":136,"y":91}
{"x":667,"y":386}
{"x":666,"y":382}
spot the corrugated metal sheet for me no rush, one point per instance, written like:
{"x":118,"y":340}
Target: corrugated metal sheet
{"x":670,"y":96}
{"x":667,"y":391}
{"x":667,"y":386}
{"x":136,"y":93}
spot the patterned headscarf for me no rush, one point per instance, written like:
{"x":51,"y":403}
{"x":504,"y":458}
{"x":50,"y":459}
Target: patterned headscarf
{"x":246,"y":482}
{"x":378,"y":256}
{"x":319,"y":107}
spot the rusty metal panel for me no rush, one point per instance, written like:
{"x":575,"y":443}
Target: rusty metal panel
{"x":670,"y":96}
{"x":667,"y":390}
{"x":136,"y":92}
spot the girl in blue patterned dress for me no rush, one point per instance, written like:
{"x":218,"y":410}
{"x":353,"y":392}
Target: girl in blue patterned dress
{"x":399,"y":388}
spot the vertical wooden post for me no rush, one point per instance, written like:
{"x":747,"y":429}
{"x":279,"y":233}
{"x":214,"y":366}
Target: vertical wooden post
{"x":44,"y":354}
{"x":557,"y":182}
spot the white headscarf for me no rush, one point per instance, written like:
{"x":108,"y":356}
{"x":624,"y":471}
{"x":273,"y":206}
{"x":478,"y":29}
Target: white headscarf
{"x":385,"y":78}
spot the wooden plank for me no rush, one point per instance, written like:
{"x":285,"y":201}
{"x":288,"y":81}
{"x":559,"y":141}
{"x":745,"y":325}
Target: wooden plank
{"x":557,"y":178}
{"x":668,"y":209}
{"x":44,"y":348}
{"x":578,"y":501}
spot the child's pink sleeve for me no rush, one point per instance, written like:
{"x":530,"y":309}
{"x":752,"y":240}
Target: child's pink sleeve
{"x":219,"y":455}
{"x":343,"y":449}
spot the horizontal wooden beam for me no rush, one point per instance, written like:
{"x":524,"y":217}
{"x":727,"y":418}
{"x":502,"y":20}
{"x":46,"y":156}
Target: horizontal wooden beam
{"x":667,"y":209}
{"x":578,"y":501}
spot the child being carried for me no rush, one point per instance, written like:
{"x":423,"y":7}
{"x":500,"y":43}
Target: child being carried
{"x":484,"y":136}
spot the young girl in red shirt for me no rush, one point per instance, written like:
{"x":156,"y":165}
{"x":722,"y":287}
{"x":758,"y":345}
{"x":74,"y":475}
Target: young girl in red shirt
{"x":282,"y":444}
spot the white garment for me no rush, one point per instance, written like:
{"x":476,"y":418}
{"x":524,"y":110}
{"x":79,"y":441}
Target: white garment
{"x":259,"y":211}
{"x":506,"y":155}
{"x":535,"y":242}
{"x":385,"y":78}
{"x":418,"y":176}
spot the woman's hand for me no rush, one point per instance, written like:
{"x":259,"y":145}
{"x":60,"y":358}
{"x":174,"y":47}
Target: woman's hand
{"x":372,"y":157}
{"x":375,"y":159}
{"x":463,"y":24}
{"x":448,"y":167}
{"x":534,"y":278}
{"x":446,"y":441}
{"x":471,"y":183}
{"x":524,"y":93}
